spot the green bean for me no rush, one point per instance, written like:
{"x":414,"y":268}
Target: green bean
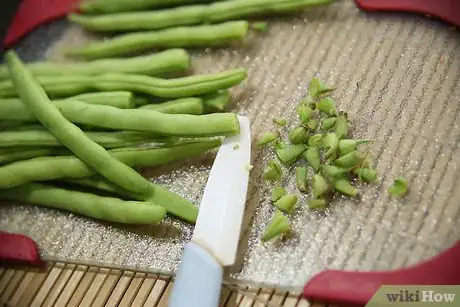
{"x":190,"y":15}
{"x":366,"y":174}
{"x":273,"y":171}
{"x":114,"y":6}
{"x":51,"y":168}
{"x":315,"y":140}
{"x":280,"y":121}
{"x":332,"y":172}
{"x":341,"y":127}
{"x":42,"y":138}
{"x":313,"y":157}
{"x":298,"y":135}
{"x":18,"y":154}
{"x":312,"y":124}
{"x":301,"y":178}
{"x":305,"y":113}
{"x":194,"y":36}
{"x":347,"y":146}
{"x":35,"y":98}
{"x":173,"y":60}
{"x":11,"y":124}
{"x":319,"y":203}
{"x":327,"y":106}
{"x":280,"y":144}
{"x":278,"y":225}
{"x":217,"y":101}
{"x":289,"y":155}
{"x":277,"y":193}
{"x":331,"y":143}
{"x":268,"y":137}
{"x":398,"y":188}
{"x":166,"y":88}
{"x":350,"y":160}
{"x":344,"y":187}
{"x":317,"y":88}
{"x":193,"y":106}
{"x":260,"y":26}
{"x":286,"y":203}
{"x":319,"y":185}
{"x":14,"y":109}
{"x":328,"y":123}
{"x":86,"y":204}
{"x":173,"y":203}
{"x":144,"y":120}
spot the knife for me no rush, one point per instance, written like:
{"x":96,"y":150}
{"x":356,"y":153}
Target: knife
{"x":215,"y":238}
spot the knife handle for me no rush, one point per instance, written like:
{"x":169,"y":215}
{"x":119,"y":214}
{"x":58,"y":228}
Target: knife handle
{"x":198,"y":281}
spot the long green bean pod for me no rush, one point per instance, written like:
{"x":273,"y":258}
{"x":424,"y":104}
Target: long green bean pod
{"x":114,"y":6}
{"x":192,"y":106}
{"x":190,"y":15}
{"x":173,"y":203}
{"x":35,"y":98}
{"x":86,"y":204}
{"x":191,"y":86}
{"x":184,"y":37}
{"x":42,"y":138}
{"x":18,"y":154}
{"x":173,"y":60}
{"x":52,"y":168}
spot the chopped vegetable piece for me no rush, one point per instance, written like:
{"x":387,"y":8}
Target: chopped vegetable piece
{"x":268,"y":137}
{"x":279,"y":144}
{"x":290,"y":154}
{"x":315,"y":140}
{"x":331,"y":171}
{"x":236,"y":146}
{"x":351,"y":160}
{"x":317,"y":203}
{"x":331,"y":143}
{"x":260,"y":26}
{"x":217,"y":101}
{"x":317,"y":87}
{"x":319,"y":185}
{"x":277,"y":226}
{"x":301,"y":178}
{"x":327,"y":105}
{"x":341,"y":127}
{"x":312,"y":124}
{"x":249,"y":167}
{"x":298,"y":135}
{"x":308,"y":101}
{"x":328,"y":123}
{"x":313,"y":158}
{"x":277,"y":193}
{"x":366,"y":174}
{"x":280,"y":121}
{"x":305,"y":113}
{"x":286,"y":203}
{"x":344,"y":187}
{"x":273,"y":171}
{"x":398,"y":188}
{"x":347,"y":146}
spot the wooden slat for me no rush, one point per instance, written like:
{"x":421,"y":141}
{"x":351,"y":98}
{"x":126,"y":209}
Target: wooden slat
{"x":12,"y":286}
{"x":156,"y":293}
{"x":71,"y":285}
{"x":132,"y":290}
{"x":45,"y":288}
{"x":165,"y":297}
{"x":107,"y":288}
{"x":5,"y":279}
{"x":23,"y":286}
{"x":144,"y":290}
{"x":59,"y":285}
{"x":33,"y":287}
{"x":85,"y":282}
{"x":95,"y":285}
{"x":120,"y":289}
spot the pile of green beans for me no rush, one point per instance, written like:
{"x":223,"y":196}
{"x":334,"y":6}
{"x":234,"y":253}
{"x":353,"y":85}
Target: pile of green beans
{"x":173,"y":60}
{"x":190,"y":15}
{"x":165,"y":88}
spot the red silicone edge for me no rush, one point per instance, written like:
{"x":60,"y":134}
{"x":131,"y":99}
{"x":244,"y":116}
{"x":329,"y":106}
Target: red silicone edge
{"x":446,"y":10}
{"x":347,"y":288}
{"x":34,"y":13}
{"x":18,"y":249}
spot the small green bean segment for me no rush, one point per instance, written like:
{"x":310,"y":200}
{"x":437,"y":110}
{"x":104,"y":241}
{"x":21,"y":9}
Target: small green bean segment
{"x":290,"y":154}
{"x":287,"y":203}
{"x":277,"y":193}
{"x":86,"y":204}
{"x":278,"y":225}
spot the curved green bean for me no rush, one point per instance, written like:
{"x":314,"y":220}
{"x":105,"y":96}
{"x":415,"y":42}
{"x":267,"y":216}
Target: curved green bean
{"x":38,"y":138}
{"x":114,"y":6}
{"x":51,"y":168}
{"x":195,"y":36}
{"x":173,"y":60}
{"x":193,"y":106}
{"x":87,"y":204}
{"x":17,"y":154}
{"x":190,"y":15}
{"x":190,"y":86}
{"x":35,"y":98}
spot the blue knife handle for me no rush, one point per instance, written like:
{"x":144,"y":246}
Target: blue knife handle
{"x":198,"y":281}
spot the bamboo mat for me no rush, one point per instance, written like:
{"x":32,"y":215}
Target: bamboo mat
{"x":78,"y":285}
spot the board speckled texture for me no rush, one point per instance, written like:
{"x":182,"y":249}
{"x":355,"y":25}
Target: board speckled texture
{"x":396,"y":75}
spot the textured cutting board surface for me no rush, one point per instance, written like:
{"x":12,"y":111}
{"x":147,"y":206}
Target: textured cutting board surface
{"x":396,"y":75}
